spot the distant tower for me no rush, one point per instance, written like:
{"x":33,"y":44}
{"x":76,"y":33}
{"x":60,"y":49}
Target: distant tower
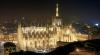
{"x":56,"y":21}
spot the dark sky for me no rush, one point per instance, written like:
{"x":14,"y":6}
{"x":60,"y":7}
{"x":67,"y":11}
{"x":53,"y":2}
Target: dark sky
{"x":85,"y":10}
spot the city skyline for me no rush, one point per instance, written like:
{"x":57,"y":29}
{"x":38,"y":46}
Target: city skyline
{"x":47,"y":26}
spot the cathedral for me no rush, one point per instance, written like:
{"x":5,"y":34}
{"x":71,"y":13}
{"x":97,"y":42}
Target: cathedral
{"x":45,"y":38}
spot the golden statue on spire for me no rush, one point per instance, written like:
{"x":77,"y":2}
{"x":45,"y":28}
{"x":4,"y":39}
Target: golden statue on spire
{"x":57,"y":10}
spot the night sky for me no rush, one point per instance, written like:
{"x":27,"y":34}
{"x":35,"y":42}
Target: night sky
{"x":71,"y":10}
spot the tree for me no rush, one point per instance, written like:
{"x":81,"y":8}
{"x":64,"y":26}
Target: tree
{"x":9,"y":47}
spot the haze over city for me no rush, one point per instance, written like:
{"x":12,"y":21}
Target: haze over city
{"x":85,"y":10}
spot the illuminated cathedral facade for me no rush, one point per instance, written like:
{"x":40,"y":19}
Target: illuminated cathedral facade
{"x":43,"y":38}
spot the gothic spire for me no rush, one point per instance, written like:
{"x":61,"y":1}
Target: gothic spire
{"x":57,"y":9}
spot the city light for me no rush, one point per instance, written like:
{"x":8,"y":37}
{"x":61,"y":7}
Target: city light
{"x":44,"y":39}
{"x":96,"y":24}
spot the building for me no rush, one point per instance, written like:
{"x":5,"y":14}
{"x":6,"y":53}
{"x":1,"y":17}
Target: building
{"x":44,"y":38}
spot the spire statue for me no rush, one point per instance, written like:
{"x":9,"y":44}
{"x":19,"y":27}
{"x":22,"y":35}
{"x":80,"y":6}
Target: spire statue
{"x":57,"y":10}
